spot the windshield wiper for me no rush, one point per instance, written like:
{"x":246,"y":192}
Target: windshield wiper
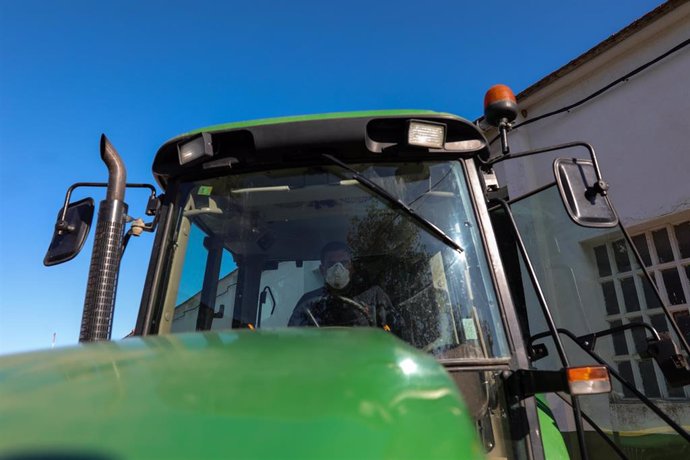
{"x":383,"y":193}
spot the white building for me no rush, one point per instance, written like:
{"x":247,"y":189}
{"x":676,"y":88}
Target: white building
{"x":639,"y":128}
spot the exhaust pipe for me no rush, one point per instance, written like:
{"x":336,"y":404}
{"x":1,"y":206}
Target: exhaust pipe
{"x":101,"y":287}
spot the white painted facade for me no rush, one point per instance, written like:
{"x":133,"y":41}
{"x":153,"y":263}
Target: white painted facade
{"x":640,"y":130}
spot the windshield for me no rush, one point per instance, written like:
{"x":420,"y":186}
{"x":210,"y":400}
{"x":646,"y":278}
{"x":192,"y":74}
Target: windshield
{"x":312,"y":247}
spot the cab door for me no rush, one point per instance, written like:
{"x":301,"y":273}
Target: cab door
{"x":606,"y":310}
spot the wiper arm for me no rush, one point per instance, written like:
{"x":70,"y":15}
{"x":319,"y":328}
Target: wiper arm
{"x":383,"y":193}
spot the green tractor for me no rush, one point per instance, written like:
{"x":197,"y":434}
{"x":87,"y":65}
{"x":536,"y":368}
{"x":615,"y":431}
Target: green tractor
{"x":349,"y":285}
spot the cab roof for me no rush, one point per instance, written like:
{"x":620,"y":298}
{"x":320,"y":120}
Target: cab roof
{"x":261,"y":139}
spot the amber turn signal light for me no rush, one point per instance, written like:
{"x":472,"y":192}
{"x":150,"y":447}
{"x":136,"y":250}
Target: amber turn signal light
{"x":588,"y":380}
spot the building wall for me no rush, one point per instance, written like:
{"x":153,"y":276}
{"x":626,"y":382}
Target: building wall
{"x":640,"y":131}
{"x":639,"y":128}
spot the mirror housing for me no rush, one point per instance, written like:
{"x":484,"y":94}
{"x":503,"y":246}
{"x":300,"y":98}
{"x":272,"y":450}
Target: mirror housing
{"x":672,"y":363}
{"x":70,"y":233}
{"x":583,"y":195}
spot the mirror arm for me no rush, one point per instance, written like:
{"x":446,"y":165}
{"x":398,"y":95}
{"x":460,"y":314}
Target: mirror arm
{"x":600,"y":187}
{"x":588,"y":147}
{"x":62,"y":226}
{"x":588,"y":341}
{"x":151,"y":208}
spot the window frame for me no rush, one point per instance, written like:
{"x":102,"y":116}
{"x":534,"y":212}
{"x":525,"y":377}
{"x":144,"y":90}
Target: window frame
{"x":655,"y":269}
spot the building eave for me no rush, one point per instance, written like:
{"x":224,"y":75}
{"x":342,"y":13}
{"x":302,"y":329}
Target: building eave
{"x":602,"y":47}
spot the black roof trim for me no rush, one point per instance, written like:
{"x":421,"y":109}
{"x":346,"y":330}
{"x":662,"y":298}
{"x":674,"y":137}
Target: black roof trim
{"x":298,"y":140}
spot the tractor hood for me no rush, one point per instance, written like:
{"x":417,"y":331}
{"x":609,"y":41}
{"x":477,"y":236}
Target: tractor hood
{"x":307,"y":393}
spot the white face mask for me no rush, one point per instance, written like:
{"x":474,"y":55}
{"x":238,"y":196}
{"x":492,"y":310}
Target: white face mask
{"x":338,"y":276}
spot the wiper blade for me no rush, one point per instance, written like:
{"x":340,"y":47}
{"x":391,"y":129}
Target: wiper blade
{"x":383,"y":193}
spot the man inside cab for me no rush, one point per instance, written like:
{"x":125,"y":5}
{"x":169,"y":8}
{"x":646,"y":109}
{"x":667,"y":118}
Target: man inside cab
{"x":339,"y":302}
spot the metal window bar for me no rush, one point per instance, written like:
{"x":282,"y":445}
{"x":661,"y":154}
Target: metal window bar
{"x":548,"y":318}
{"x":654,"y":272}
{"x":641,"y":396}
{"x":597,"y":429}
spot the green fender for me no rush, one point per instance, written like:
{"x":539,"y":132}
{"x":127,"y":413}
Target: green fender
{"x":293,"y":393}
{"x":552,"y":438}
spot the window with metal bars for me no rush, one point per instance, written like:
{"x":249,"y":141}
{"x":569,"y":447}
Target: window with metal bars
{"x":665,"y":251}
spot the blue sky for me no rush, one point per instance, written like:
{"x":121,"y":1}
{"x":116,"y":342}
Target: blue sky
{"x":143,"y":72}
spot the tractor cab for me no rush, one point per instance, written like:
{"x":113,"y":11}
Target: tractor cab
{"x":392,"y":222}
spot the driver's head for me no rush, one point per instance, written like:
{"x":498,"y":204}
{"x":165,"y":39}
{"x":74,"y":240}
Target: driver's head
{"x":336,"y":264}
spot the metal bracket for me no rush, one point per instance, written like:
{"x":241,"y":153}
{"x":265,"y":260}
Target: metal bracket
{"x":503,"y":128}
{"x":673,"y":365}
{"x":524,"y":383}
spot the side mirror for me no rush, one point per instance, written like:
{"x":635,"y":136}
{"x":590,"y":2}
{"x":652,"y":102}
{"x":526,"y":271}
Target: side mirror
{"x":70,"y":233}
{"x":672,"y":363}
{"x":583,"y":195}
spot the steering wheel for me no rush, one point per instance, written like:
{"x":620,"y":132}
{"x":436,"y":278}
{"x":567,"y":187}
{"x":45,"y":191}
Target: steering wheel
{"x":358,"y":306}
{"x":345,"y":300}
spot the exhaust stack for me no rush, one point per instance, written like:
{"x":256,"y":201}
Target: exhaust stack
{"x":101,"y":288}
